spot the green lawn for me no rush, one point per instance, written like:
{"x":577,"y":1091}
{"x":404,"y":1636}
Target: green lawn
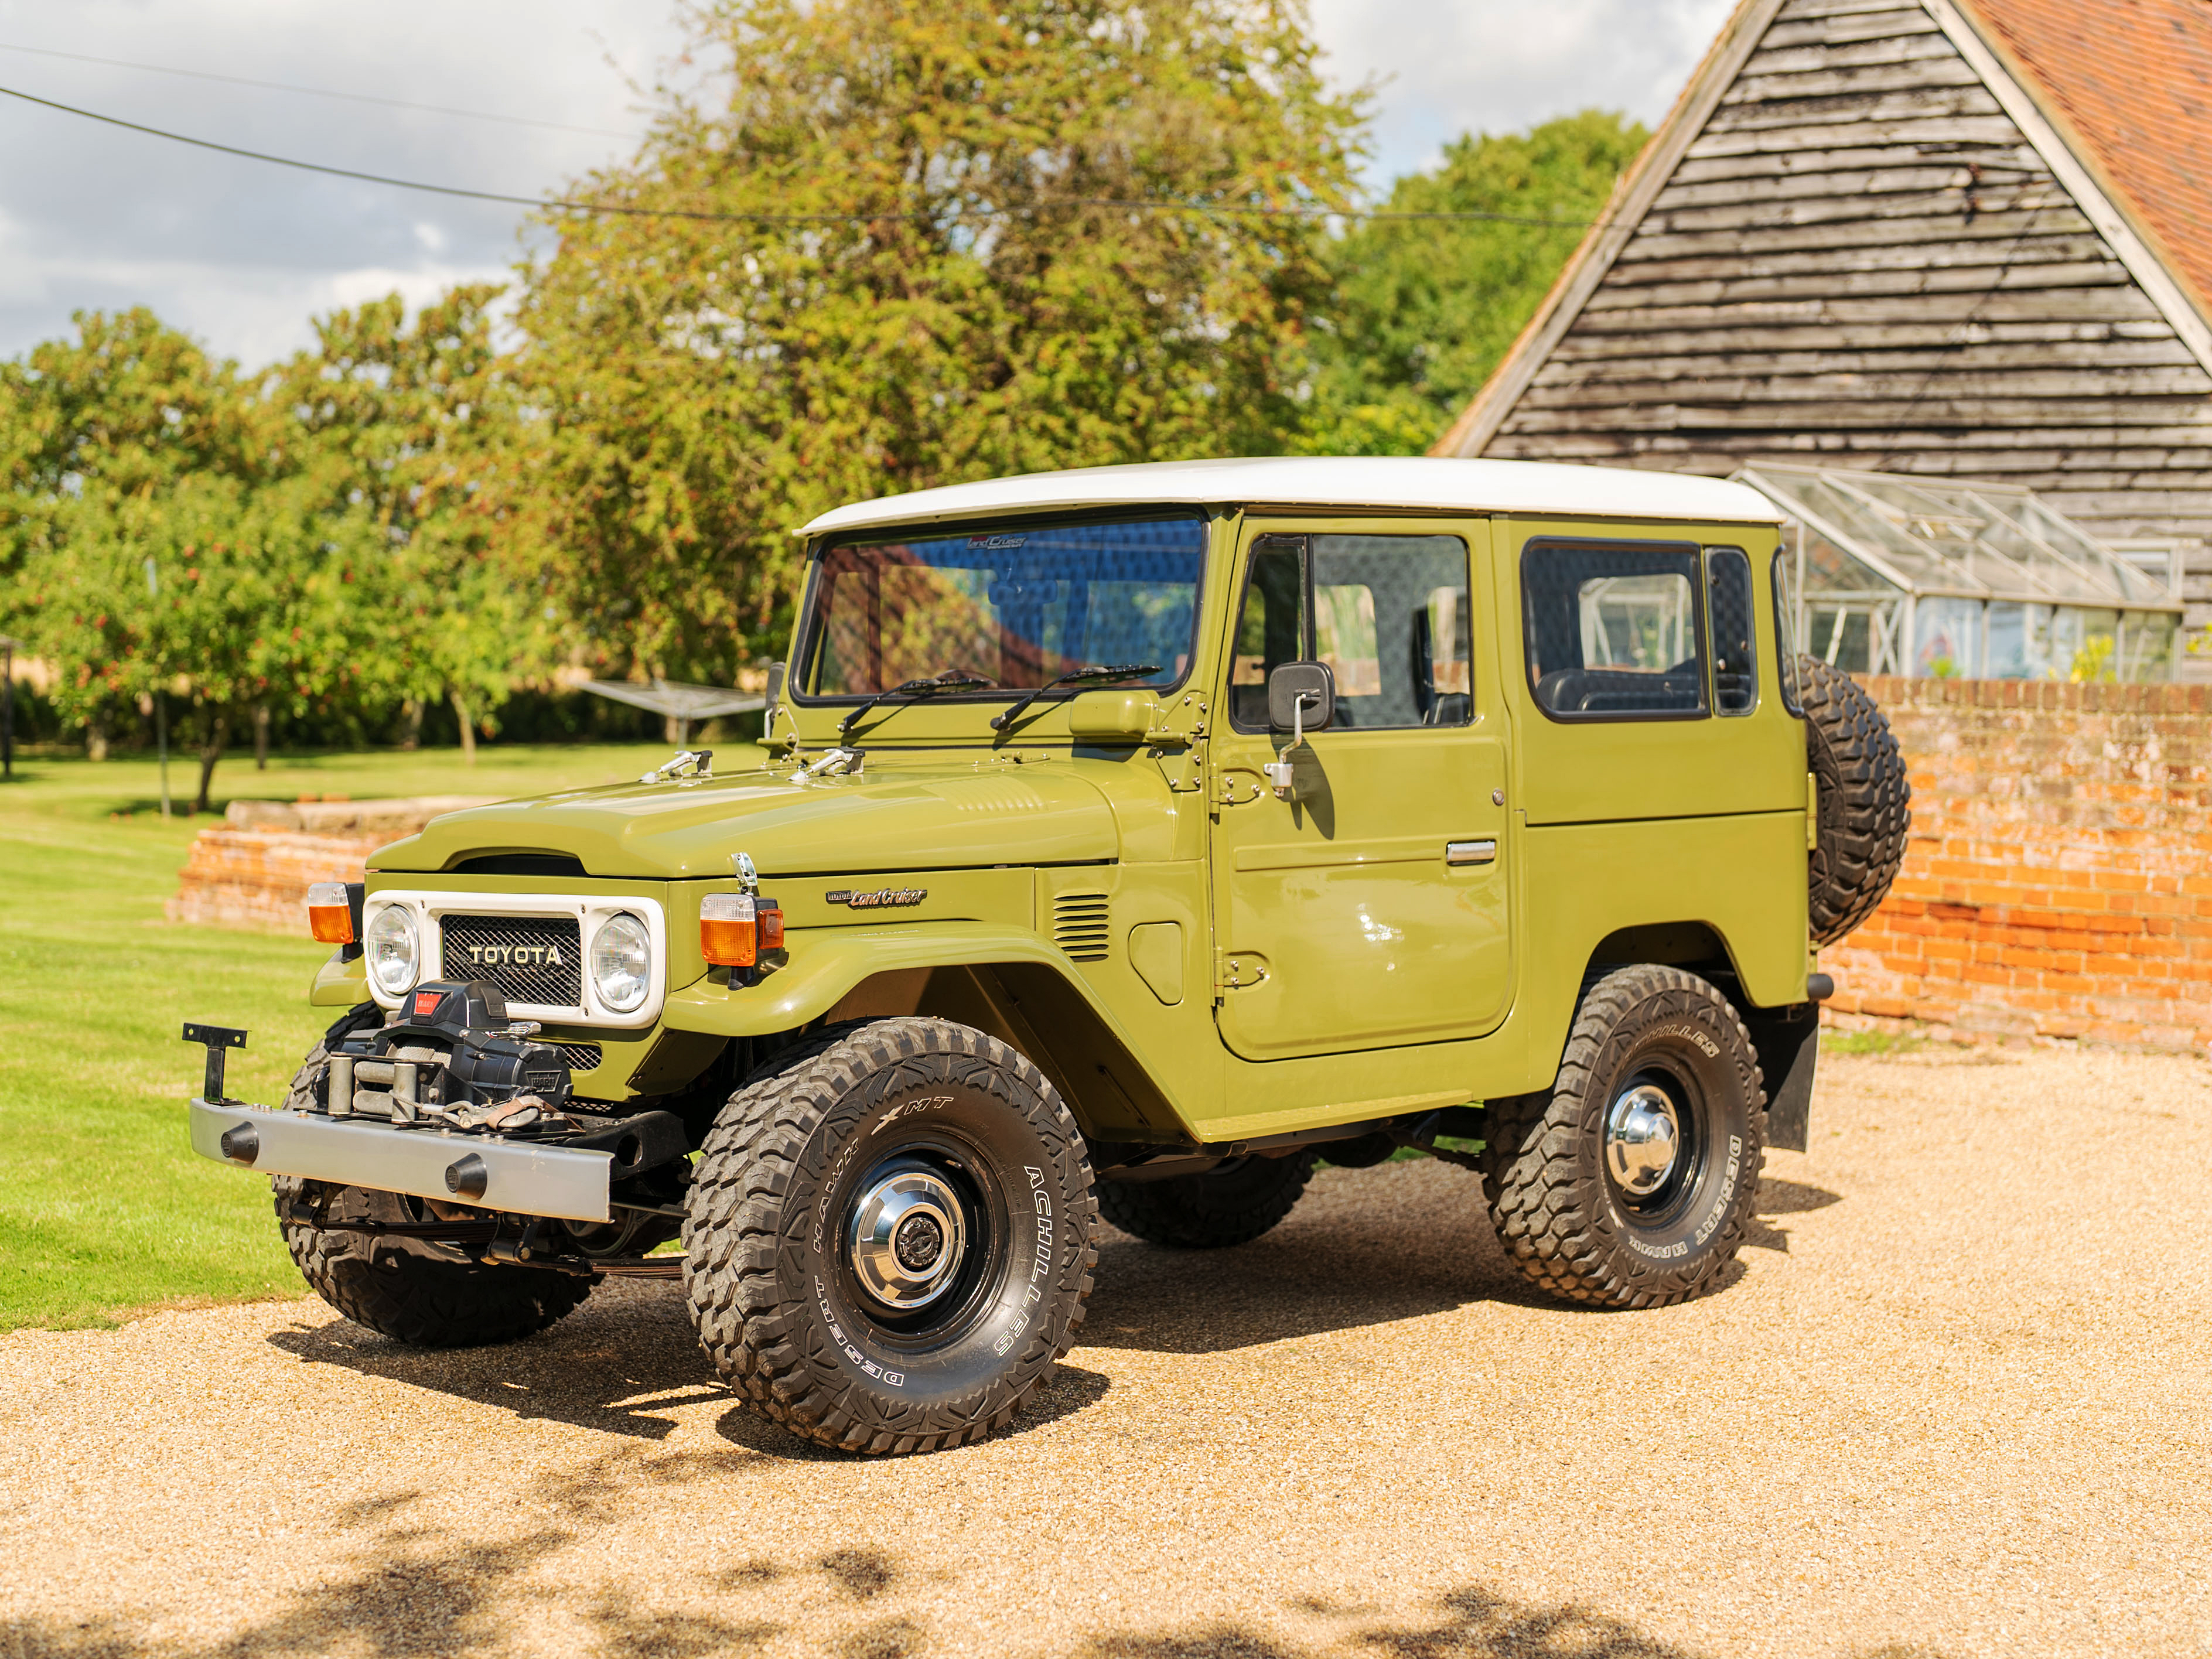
{"x":103,"y":1206}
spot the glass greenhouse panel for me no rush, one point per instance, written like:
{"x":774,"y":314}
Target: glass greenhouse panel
{"x":1924,"y":577}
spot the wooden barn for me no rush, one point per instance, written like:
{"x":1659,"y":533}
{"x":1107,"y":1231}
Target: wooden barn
{"x":1970,"y":239}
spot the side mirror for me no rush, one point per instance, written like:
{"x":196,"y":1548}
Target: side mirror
{"x":775,"y":683}
{"x":1301,"y":696}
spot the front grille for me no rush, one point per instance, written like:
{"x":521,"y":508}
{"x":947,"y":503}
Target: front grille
{"x":580,"y":1056}
{"x":1078,"y":925}
{"x":536,"y":959}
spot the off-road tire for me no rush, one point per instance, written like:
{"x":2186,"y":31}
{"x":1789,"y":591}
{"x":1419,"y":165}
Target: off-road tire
{"x":1865,"y":801}
{"x":406,"y":1289}
{"x":769,"y":1274}
{"x":1233,"y":1204}
{"x":1562,"y":1217}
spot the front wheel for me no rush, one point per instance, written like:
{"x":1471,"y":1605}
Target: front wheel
{"x":408,"y":1289}
{"x":1628,"y":1182}
{"x":887,"y":1238}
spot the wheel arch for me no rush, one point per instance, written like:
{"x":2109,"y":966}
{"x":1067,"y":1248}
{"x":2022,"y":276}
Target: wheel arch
{"x":1009,"y":984}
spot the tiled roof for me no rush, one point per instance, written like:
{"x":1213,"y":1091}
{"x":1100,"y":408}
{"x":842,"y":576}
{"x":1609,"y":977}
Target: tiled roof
{"x":2131,"y":80}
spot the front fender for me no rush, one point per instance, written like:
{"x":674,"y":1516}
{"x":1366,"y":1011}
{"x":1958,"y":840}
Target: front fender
{"x":1054,"y":1014}
{"x":823,"y":964}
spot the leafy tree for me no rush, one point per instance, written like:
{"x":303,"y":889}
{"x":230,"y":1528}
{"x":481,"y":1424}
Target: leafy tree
{"x":216,"y":592}
{"x":707,"y":386}
{"x":1427,"y":308}
{"x":416,"y":428}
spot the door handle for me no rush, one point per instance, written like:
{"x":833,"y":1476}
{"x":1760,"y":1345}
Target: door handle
{"x":1470,"y":852}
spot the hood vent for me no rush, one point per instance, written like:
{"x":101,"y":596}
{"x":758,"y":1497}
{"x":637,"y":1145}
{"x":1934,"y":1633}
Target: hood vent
{"x":1078,"y":925}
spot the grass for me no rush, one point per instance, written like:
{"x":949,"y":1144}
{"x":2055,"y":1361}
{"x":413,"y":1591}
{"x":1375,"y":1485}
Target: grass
{"x":104,"y":1208}
{"x":1870,"y":1042}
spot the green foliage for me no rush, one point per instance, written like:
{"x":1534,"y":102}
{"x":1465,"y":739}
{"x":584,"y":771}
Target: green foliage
{"x":1426,"y":309}
{"x":709,"y":386}
{"x":326,"y":539}
{"x":420,"y":429}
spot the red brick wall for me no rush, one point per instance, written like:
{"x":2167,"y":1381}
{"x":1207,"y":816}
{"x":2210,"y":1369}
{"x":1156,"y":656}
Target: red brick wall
{"x":2058,"y":882}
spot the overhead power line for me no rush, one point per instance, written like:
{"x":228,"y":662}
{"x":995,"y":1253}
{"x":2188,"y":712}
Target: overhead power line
{"x":314,"y":92}
{"x":563,"y":205}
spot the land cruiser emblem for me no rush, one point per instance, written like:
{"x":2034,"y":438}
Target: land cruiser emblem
{"x":887,"y":898}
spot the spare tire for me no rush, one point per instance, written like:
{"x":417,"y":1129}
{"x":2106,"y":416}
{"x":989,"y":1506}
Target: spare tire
{"x":1864,"y":800}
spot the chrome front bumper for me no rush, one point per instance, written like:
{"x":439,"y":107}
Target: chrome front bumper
{"x":517,"y":1176}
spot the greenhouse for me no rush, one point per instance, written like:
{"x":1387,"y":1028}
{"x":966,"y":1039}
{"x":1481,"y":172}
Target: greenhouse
{"x":1955,"y":580}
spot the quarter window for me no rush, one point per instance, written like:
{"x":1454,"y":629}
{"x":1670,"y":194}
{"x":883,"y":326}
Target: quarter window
{"x":1615,"y":630}
{"x":1389,"y":614}
{"x":1786,"y":633}
{"x":1734,"y":630}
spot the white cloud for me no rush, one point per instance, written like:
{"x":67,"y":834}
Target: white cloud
{"x":240,"y":253}
{"x":1501,"y":65}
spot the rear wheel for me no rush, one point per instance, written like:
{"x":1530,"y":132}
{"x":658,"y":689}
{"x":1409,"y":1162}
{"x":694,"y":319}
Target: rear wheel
{"x":1232,"y":1203}
{"x":408,"y":1289}
{"x":887,"y":1243}
{"x":1629,"y":1182}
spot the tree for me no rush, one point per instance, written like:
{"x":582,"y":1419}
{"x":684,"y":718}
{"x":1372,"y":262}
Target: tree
{"x":705,"y":387}
{"x":217,"y":591}
{"x":416,"y":428}
{"x":1426,"y":309}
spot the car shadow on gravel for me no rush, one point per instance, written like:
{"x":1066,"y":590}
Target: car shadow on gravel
{"x":617,"y":1364}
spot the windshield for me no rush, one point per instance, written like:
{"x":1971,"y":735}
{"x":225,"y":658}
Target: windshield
{"x":1017,"y":606}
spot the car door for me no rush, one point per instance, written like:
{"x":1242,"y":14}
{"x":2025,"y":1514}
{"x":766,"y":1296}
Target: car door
{"x":1370,"y":908}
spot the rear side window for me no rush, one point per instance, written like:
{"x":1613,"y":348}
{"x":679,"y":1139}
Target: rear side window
{"x":1786,"y":633}
{"x":1615,"y":629}
{"x":1734,"y":630}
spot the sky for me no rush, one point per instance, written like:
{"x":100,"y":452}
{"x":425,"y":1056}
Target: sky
{"x":242,"y":254}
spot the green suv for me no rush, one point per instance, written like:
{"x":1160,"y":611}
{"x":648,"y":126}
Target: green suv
{"x":1123,"y":842}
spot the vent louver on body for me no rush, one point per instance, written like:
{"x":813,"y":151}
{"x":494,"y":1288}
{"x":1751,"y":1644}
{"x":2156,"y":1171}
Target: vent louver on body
{"x":1078,"y":925}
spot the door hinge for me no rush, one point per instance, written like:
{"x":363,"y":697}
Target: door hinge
{"x":1237,"y":970}
{"x":1812,"y":812}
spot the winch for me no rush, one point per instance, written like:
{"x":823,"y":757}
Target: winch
{"x":453,"y":1057}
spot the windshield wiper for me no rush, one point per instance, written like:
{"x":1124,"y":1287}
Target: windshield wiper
{"x":913,"y":691}
{"x":1128,"y":670}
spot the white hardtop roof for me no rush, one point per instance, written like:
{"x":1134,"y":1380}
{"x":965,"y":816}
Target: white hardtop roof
{"x":1418,"y":482}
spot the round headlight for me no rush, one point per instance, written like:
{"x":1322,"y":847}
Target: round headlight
{"x":621,"y":962}
{"x":390,"y":950}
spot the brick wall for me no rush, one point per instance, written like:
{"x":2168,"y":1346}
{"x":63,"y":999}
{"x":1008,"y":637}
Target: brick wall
{"x":2058,"y":882}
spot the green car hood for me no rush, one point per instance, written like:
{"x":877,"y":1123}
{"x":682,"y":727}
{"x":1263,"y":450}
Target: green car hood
{"x":946,"y":816}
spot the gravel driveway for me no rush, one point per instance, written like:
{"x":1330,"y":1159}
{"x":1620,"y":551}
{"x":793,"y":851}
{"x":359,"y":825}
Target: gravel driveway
{"x":1957,"y":1403}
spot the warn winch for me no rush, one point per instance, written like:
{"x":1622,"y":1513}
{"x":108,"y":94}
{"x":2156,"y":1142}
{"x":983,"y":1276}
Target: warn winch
{"x":452,"y":1101}
{"x":453,"y":1057}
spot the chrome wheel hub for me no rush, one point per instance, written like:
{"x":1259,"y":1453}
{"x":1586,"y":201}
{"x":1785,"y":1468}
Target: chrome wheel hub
{"x":1643,"y":1140}
{"x":908,"y":1238}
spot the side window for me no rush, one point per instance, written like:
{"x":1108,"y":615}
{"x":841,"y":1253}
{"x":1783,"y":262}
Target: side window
{"x":1390,"y":615}
{"x":1615,"y":629}
{"x":1734,"y":630}
{"x":1785,"y":632}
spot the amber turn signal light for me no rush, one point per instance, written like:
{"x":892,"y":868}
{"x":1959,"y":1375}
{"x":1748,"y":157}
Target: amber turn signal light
{"x":329,"y":918}
{"x":729,"y":929}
